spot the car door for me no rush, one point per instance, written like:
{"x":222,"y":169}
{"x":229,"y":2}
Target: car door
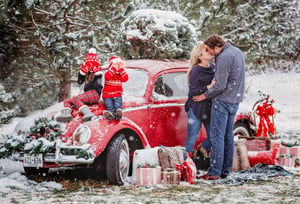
{"x":167,"y":117}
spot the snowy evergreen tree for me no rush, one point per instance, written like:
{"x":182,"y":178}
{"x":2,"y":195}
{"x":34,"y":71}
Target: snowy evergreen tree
{"x":267,"y":30}
{"x":151,"y":33}
{"x":23,"y":67}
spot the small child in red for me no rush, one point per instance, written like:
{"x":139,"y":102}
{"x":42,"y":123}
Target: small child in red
{"x":112,"y":91}
{"x":91,"y":75}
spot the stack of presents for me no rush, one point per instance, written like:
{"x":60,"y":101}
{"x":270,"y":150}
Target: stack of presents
{"x":166,"y":165}
{"x":265,"y":150}
{"x":162,"y":165}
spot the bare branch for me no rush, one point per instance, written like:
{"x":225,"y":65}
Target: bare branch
{"x":20,"y":28}
{"x":36,"y":26}
{"x":41,"y":11}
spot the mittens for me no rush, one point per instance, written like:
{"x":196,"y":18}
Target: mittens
{"x":97,"y":70}
{"x":84,"y":69}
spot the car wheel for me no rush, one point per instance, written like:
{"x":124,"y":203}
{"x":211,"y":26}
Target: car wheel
{"x":241,"y":129}
{"x":117,"y":160}
{"x":32,"y":171}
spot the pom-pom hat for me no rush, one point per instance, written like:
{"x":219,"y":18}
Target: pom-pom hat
{"x":92,"y":50}
{"x":92,"y":59}
{"x":113,"y":60}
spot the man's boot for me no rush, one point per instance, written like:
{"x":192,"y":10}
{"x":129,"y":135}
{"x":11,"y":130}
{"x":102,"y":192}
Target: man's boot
{"x":65,"y":115}
{"x":87,"y":114}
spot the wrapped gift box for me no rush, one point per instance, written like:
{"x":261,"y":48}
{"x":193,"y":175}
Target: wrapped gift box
{"x":144,"y":156}
{"x":286,"y":161}
{"x":170,"y":176}
{"x":257,"y":145}
{"x":148,"y":176}
{"x":275,"y":144}
{"x":290,"y":151}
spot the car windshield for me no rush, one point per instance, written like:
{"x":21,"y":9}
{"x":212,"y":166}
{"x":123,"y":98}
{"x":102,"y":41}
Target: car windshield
{"x":136,"y":84}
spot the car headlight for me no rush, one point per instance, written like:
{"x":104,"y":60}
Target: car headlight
{"x":81,"y":135}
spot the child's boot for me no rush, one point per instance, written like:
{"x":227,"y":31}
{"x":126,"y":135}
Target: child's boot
{"x":65,"y":115}
{"x":87,"y":114}
{"x":108,"y":115}
{"x":119,"y":114}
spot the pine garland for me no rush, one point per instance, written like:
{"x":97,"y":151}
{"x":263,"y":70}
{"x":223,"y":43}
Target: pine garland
{"x":84,"y":152}
{"x":297,"y":162}
{"x":48,"y":129}
{"x":41,"y":139}
{"x":290,"y":144}
{"x":11,"y":145}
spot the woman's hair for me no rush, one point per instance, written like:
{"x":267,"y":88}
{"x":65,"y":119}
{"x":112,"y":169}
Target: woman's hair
{"x":89,"y":77}
{"x":194,"y":58}
{"x":214,"y":41}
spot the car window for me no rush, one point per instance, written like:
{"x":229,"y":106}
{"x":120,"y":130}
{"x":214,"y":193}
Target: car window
{"x":137,"y":82}
{"x":171,"y":85}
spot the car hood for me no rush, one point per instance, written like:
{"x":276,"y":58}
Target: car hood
{"x":24,"y":124}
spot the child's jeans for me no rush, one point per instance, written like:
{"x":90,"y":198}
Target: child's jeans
{"x":112,"y":104}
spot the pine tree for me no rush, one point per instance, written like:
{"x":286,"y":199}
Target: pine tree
{"x":151,"y":33}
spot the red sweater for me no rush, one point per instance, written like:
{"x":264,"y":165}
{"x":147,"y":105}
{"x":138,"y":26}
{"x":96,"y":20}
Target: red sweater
{"x":113,"y":82}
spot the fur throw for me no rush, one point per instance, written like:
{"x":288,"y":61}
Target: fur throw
{"x":170,"y":156}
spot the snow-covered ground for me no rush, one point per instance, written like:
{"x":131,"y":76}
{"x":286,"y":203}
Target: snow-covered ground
{"x":282,"y":87}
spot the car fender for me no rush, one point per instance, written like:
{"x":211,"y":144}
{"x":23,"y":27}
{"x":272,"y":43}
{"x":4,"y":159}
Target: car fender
{"x":244,"y":117}
{"x":102,"y":131}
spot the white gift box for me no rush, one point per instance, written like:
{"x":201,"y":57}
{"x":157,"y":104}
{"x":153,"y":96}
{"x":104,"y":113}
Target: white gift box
{"x":144,"y":156}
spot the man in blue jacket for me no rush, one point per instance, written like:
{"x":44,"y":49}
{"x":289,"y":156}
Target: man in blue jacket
{"x":226,"y":94}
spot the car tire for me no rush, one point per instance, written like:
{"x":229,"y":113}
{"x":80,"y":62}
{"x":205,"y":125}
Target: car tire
{"x":32,"y":171}
{"x":241,"y":129}
{"x":117,"y":160}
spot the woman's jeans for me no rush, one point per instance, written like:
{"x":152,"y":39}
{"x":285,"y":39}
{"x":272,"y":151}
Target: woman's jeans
{"x":193,"y":129}
{"x":112,"y":104}
{"x":221,"y":137}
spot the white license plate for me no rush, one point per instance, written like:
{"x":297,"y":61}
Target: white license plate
{"x":33,"y":160}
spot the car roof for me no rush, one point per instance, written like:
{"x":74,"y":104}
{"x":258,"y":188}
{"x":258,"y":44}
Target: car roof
{"x":155,"y":66}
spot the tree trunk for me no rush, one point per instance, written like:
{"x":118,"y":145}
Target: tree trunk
{"x":65,"y":86}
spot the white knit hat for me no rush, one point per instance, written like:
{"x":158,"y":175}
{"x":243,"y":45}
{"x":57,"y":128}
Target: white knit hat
{"x":92,"y":50}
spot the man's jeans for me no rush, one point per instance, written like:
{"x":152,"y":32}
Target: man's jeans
{"x":112,"y":104}
{"x":221,"y":137}
{"x":194,"y":125}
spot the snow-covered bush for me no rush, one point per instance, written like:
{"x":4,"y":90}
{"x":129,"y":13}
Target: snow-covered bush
{"x":8,"y":109}
{"x":151,"y":33}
